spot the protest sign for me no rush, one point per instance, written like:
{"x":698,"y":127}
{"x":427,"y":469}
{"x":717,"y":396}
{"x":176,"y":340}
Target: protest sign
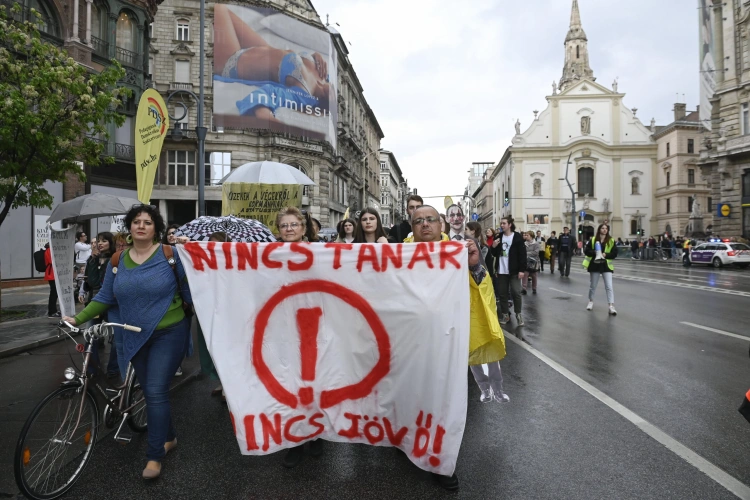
{"x":151,"y":127}
{"x":62,"y":244}
{"x":258,"y":201}
{"x":310,"y":342}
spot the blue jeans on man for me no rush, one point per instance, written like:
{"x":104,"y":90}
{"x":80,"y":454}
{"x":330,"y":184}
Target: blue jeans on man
{"x":155,"y":364}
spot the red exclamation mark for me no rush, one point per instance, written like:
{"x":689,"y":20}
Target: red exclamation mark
{"x":308,"y":322}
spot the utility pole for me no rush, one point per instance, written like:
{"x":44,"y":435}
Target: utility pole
{"x":573,"y":213}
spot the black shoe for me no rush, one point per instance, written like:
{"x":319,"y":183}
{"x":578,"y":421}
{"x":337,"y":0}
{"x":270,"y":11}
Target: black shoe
{"x":316,"y":447}
{"x":294,"y":457}
{"x":523,"y":292}
{"x":450,"y":483}
{"x":534,"y":292}
{"x":54,"y":316}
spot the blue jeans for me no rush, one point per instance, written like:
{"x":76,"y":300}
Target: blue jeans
{"x":594,"y":277}
{"x":155,"y":364}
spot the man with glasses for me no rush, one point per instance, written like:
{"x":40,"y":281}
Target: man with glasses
{"x":398,"y":234}
{"x":455,"y":216}
{"x":486,"y":334}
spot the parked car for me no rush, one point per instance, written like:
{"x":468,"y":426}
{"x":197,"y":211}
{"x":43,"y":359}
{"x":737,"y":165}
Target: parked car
{"x":719,"y":253}
{"x":328,"y":233}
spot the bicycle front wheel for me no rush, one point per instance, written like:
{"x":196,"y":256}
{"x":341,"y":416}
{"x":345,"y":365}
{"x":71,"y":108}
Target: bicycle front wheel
{"x":55,"y":444}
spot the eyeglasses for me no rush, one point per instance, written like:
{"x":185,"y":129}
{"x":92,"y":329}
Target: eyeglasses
{"x":290,"y":225}
{"x":422,"y":220}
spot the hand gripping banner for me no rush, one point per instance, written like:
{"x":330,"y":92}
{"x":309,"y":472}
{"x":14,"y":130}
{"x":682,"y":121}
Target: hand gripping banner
{"x":348,"y":343}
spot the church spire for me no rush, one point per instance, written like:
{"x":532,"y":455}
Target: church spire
{"x":576,"y":51}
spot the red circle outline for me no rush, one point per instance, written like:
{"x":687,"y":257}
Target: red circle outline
{"x":332,"y":397}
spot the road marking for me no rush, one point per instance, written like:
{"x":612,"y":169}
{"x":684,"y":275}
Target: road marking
{"x":730,"y":483}
{"x":575,"y":294}
{"x":720,"y":332}
{"x":653,"y":281}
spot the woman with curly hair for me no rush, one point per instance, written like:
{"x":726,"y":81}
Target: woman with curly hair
{"x":147,"y":285}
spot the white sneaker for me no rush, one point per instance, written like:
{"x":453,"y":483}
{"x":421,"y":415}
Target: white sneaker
{"x":519,"y":318}
{"x":486,"y":396}
{"x":612,"y":310}
{"x":502,"y":398}
{"x":590,"y":306}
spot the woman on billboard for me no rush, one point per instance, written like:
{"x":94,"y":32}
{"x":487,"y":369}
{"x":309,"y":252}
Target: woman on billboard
{"x":242,"y":54}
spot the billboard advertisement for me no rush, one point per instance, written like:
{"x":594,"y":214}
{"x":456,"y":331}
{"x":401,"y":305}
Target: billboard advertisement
{"x":273,"y":72}
{"x":707,"y":64}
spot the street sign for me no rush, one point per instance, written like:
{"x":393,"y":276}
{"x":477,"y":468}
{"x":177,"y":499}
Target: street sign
{"x":724,"y":209}
{"x":583,"y":214}
{"x":474,"y":216}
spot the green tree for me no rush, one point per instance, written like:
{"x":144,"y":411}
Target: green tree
{"x":50,"y":108}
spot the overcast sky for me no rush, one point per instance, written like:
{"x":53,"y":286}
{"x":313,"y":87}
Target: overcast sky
{"x":448,"y":83}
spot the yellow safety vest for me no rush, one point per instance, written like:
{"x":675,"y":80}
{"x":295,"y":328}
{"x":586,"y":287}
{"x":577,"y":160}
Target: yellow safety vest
{"x":610,"y":245}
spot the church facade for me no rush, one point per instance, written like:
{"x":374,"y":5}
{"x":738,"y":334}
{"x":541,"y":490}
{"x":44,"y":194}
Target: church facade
{"x":587,"y":131}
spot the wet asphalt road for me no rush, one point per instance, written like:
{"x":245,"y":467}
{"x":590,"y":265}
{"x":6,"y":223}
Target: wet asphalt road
{"x":553,"y":440}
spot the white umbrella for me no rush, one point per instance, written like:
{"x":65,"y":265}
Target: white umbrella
{"x":268,"y":172}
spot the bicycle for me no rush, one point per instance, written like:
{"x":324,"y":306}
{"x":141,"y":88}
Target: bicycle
{"x":58,"y":438}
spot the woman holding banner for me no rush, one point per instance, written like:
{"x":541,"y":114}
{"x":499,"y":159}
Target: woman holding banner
{"x":369,"y":228}
{"x":158,"y":349}
{"x":292,"y":227}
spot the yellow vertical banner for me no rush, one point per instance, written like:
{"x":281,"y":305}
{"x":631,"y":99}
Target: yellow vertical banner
{"x":259,"y":201}
{"x":151,"y":126}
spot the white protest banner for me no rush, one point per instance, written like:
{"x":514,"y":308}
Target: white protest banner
{"x":348,"y":343}
{"x":62,"y":244}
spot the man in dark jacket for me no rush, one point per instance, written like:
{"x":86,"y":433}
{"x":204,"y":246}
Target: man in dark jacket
{"x":566,"y":245}
{"x":508,"y":268}
{"x":398,"y":233}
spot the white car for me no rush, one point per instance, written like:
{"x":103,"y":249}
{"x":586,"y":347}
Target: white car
{"x":719,"y":253}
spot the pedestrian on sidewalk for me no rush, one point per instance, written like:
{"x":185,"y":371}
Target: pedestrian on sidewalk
{"x":532,"y":261}
{"x":601,"y":267}
{"x":49,"y":277}
{"x":83,"y":252}
{"x":552,"y":243}
{"x":566,"y":245}
{"x":96,"y":268}
{"x":541,"y":240}
{"x":157,"y":350}
{"x":634,"y":249}
{"x":508,"y":268}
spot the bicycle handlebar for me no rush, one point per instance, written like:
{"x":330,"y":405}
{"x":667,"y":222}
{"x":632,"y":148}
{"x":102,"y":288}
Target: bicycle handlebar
{"x":99,"y":331}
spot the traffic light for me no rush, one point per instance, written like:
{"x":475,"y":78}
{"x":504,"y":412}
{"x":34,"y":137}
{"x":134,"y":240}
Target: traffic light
{"x":507,"y":198}
{"x":580,"y":231}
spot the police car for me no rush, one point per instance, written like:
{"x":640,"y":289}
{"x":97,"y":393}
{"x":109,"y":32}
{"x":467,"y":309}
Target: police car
{"x":720,"y":253}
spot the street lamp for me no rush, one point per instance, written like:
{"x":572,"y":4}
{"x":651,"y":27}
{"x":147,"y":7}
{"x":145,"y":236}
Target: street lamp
{"x":200,"y":131}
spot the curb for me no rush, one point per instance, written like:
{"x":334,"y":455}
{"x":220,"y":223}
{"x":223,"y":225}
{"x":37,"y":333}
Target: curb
{"x":27,"y":347}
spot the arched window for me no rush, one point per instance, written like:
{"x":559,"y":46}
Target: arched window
{"x":633,"y":226}
{"x":48,"y":21}
{"x":305,"y":189}
{"x":183,"y":30}
{"x":125,"y":32}
{"x":635,"y":186}
{"x":586,"y":181}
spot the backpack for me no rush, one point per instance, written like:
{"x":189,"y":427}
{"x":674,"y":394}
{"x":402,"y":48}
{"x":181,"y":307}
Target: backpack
{"x":39,"y":263}
{"x":169,"y":254}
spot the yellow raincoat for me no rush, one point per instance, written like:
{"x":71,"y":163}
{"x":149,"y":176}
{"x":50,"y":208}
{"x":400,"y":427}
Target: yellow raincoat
{"x":486,"y":340}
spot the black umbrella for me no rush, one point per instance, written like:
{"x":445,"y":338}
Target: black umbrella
{"x":236,"y":228}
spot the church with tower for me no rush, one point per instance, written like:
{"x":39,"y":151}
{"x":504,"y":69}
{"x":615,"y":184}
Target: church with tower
{"x":588,"y":133}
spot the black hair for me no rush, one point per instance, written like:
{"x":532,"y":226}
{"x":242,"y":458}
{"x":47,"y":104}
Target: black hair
{"x":152,"y":212}
{"x":342,"y":233}
{"x":78,"y":235}
{"x":359,"y":233}
{"x":165,"y":239}
{"x":511,"y":222}
{"x":110,"y":238}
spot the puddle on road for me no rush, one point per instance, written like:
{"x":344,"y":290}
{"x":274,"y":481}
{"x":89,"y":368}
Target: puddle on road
{"x":561,"y":298}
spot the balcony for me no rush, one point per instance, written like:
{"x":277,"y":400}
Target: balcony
{"x":125,"y":152}
{"x":180,"y":86}
{"x":128,"y":57}
{"x":101,"y":48}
